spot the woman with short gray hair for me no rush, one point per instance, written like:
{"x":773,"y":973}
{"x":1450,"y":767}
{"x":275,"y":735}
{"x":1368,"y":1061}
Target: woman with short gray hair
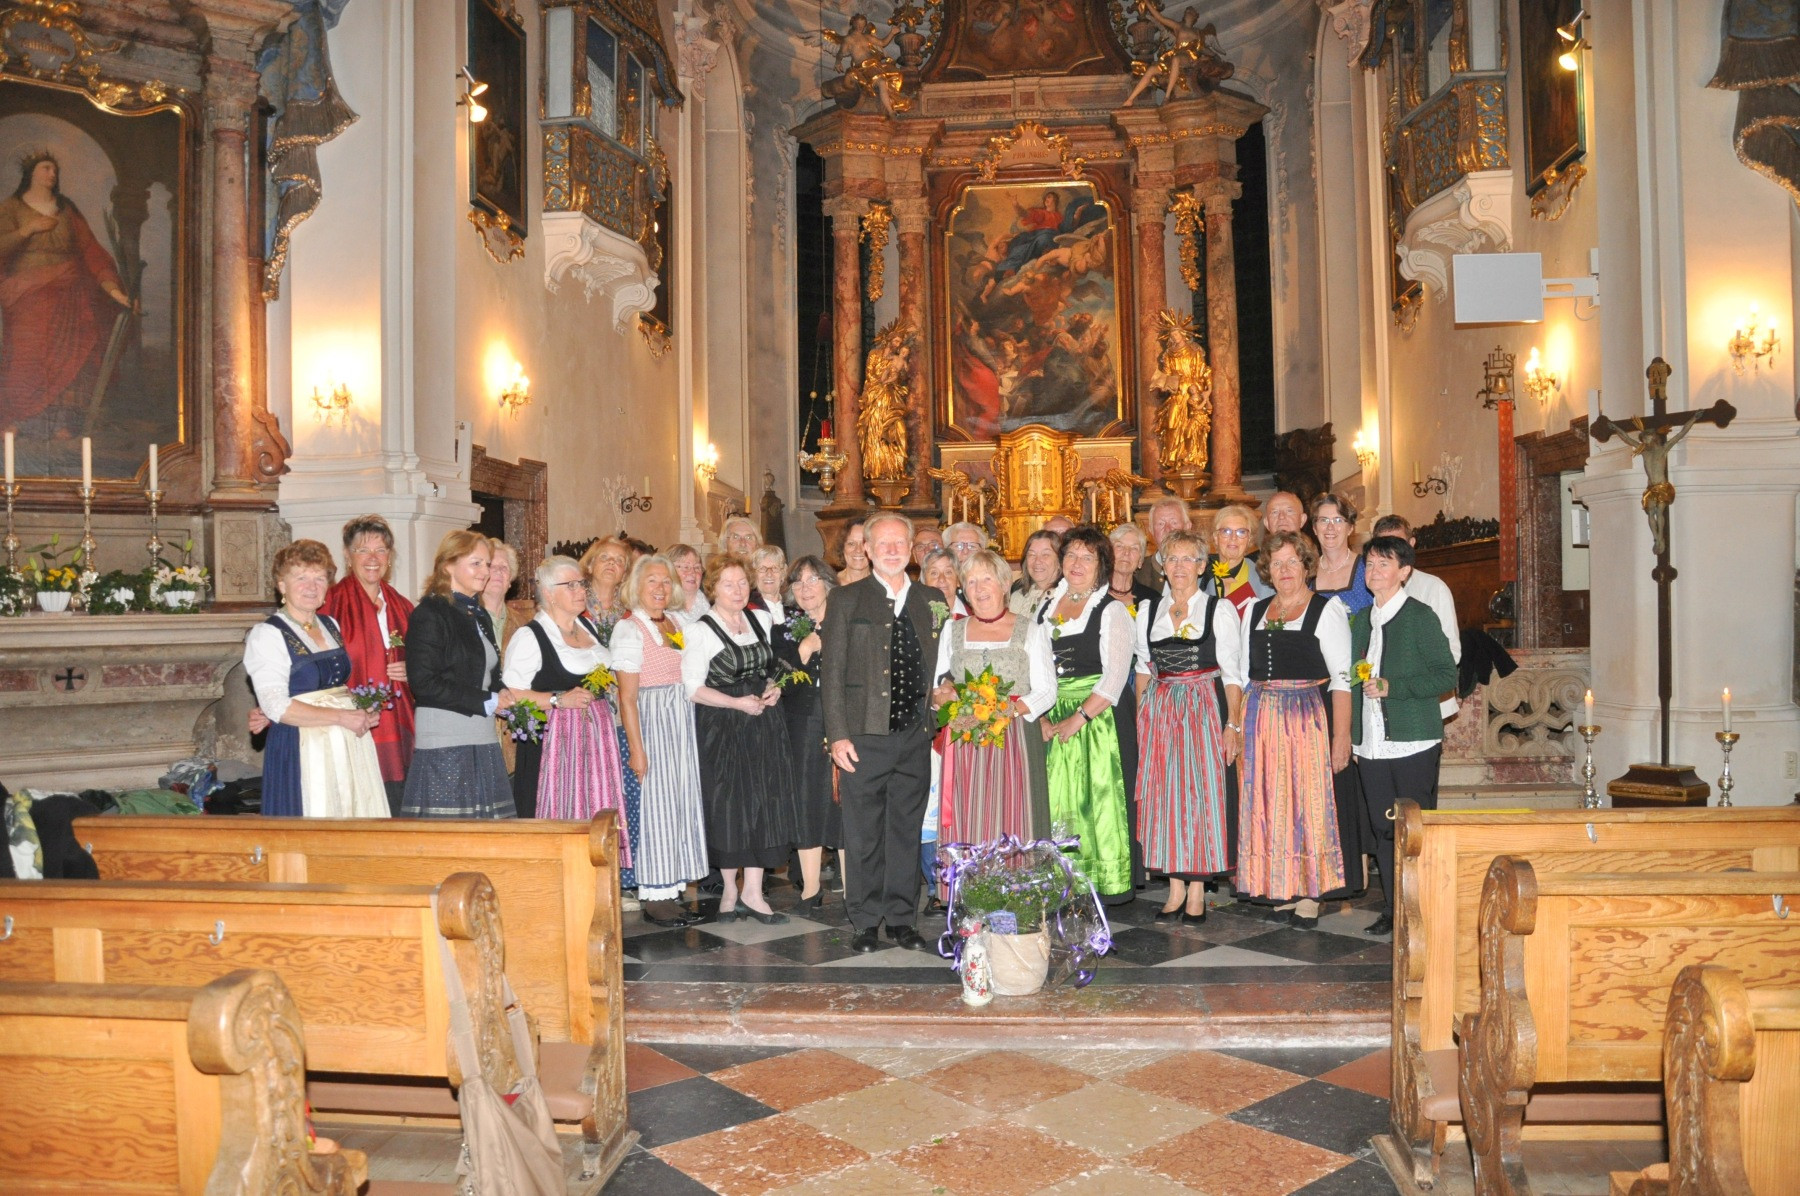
{"x":573,"y":770}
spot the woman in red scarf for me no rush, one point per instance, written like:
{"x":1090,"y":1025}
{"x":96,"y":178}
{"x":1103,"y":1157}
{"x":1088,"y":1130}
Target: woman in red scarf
{"x":372,"y":616}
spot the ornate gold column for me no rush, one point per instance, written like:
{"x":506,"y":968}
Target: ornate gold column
{"x":249,"y":449}
{"x":846,"y":341}
{"x":910,"y":214}
{"x":1149,"y":211}
{"x":1222,"y":344}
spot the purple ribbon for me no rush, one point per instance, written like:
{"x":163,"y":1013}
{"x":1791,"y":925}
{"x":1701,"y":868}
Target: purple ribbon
{"x":959,"y":861}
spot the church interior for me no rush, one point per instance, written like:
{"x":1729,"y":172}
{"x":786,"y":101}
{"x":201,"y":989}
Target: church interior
{"x":567,"y":273}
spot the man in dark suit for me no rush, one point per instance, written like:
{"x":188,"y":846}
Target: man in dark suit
{"x":879,"y":648}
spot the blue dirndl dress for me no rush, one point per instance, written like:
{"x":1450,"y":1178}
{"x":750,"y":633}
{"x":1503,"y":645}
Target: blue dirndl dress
{"x":313,"y":669}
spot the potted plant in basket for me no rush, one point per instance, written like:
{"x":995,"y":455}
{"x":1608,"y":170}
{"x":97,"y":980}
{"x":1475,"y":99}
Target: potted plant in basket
{"x":55,"y":580}
{"x":179,"y":587}
{"x":1027,"y":903}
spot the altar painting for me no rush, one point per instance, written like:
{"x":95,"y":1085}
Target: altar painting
{"x":1032,"y":307}
{"x":92,"y":280}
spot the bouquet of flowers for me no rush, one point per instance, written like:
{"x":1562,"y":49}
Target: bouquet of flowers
{"x":45,"y":570}
{"x":525,"y":720}
{"x":1006,"y":889}
{"x":676,"y":640}
{"x":600,"y":681}
{"x":792,"y":677}
{"x":799,"y":627}
{"x":119,"y":591}
{"x":15,"y":593}
{"x":981,"y":711}
{"x":396,"y":648}
{"x":373,"y":695}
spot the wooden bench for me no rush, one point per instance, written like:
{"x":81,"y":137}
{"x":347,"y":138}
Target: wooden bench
{"x":1575,"y":974}
{"x":149,"y":1089}
{"x":558,"y":888}
{"x":1443,"y":858}
{"x":1731,"y":1076}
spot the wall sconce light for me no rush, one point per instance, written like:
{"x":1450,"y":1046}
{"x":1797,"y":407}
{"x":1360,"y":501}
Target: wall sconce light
{"x":707,"y":467}
{"x":1570,"y":58}
{"x":334,"y":406}
{"x":1754,"y":340}
{"x":1365,"y":452}
{"x":1435,"y":482}
{"x":1496,"y":379}
{"x":517,"y":393}
{"x":1540,"y":383}
{"x":471,"y":89}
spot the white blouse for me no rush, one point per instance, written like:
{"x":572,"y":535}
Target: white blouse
{"x":524,"y":657}
{"x":1227,"y":629}
{"x":628,"y":639}
{"x":269,"y":664}
{"x":1042,"y":694}
{"x":701,"y":645}
{"x":1332,"y":632}
{"x":1118,"y":637}
{"x":692,"y":611}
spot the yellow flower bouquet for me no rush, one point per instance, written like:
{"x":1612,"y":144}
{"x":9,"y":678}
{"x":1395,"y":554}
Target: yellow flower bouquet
{"x":981,"y":711}
{"x":600,"y":681}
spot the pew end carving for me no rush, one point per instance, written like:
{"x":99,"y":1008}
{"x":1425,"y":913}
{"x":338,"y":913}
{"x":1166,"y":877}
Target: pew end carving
{"x":1499,"y":1043}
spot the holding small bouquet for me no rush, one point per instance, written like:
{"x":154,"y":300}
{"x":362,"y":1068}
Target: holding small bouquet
{"x":373,"y":695}
{"x":525,"y":720}
{"x":600,"y":681}
{"x":981,"y":711}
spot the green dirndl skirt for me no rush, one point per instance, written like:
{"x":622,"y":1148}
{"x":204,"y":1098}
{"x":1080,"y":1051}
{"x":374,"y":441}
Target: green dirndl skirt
{"x":1087,"y":790}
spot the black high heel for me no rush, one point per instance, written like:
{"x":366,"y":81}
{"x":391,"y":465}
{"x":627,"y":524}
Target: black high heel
{"x":811,"y":904}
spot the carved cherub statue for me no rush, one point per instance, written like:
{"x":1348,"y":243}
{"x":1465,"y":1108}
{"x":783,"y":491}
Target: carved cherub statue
{"x":1188,"y":57}
{"x":866,"y":67}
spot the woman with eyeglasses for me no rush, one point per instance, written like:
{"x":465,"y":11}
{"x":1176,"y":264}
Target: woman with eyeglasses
{"x":1040,"y":569}
{"x":1340,"y":576}
{"x":1092,"y":638}
{"x":1190,"y":684}
{"x":689,"y":602}
{"x":1231,"y":573}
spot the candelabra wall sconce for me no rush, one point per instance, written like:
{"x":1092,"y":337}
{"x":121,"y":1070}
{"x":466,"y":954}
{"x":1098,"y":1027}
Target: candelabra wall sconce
{"x":516,"y":395}
{"x":334,"y":406}
{"x":1435,"y":482}
{"x":1540,"y":381}
{"x":1366,"y":455}
{"x":1496,"y":379}
{"x":707,"y":467}
{"x":1754,"y":340}
{"x":636,"y":502}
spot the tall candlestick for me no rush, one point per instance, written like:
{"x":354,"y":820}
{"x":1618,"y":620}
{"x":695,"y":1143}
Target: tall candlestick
{"x":646,"y":488}
{"x":87,"y":461}
{"x":153,"y":476}
{"x":9,"y":458}
{"x":1417,"y":476}
{"x":1727,"y":704}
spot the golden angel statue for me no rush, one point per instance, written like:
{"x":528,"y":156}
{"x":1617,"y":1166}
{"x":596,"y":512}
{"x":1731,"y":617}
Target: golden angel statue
{"x":1185,"y":419}
{"x":887,"y":388}
{"x":866,"y":67}
{"x":1188,"y":62}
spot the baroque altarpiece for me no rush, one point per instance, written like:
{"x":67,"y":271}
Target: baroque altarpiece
{"x":1029,"y":157}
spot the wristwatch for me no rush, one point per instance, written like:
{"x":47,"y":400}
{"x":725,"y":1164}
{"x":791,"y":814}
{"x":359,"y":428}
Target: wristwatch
{"x":1234,"y":727}
{"x":555,"y":701}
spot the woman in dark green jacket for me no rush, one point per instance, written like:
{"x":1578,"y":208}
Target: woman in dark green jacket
{"x":1404,"y":663}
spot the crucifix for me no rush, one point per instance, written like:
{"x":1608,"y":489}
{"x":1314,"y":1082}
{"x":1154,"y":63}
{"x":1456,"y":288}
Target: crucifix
{"x":1651,"y":437}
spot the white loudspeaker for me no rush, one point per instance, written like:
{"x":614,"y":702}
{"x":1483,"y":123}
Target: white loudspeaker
{"x":1498,"y":288}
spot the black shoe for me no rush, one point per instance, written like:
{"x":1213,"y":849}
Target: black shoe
{"x":1382,"y":925}
{"x":866,"y":941}
{"x":769,"y":919}
{"x":907,"y":938}
{"x":677,"y":919}
{"x":1299,"y":923}
{"x":1193,"y":919}
{"x":729,"y":915}
{"x":807,"y":905}
{"x":1169,"y":915}
{"x":934,"y":906}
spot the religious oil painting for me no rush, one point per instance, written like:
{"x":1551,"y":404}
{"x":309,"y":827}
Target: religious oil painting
{"x":1032,"y":310}
{"x":497,"y":143}
{"x":94,"y":259}
{"x":1554,"y":136}
{"x":992,"y":39}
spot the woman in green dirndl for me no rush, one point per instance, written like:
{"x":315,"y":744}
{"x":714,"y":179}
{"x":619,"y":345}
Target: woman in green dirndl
{"x":1092,"y":637}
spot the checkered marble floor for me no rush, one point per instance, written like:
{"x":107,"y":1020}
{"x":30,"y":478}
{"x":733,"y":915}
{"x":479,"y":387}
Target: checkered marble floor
{"x":749,"y":1120}
{"x":1237,"y":944}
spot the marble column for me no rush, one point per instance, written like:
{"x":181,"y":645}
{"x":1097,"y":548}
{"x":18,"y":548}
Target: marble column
{"x":846,"y":342}
{"x":910,"y":215}
{"x":1227,"y":464}
{"x":1149,"y":212}
{"x":249,"y":451}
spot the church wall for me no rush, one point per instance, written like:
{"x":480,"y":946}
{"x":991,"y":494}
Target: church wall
{"x":426,"y":327}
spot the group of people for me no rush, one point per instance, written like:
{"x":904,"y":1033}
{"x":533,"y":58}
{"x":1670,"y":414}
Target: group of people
{"x":1242,"y":710}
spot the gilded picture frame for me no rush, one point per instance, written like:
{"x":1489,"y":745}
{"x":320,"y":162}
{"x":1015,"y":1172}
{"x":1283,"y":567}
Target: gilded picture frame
{"x":1551,"y":97}
{"x":98,"y":299}
{"x":498,"y":143}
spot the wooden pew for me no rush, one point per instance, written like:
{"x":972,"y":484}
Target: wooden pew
{"x":1575,"y":972}
{"x":1443,"y":857}
{"x":558,"y":888}
{"x":146,"y":1089}
{"x":1731,"y":1075}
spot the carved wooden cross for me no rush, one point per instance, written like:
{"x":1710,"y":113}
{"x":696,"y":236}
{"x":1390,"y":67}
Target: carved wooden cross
{"x":1650,"y":438}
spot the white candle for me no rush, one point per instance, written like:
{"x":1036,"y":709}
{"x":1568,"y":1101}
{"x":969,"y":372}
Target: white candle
{"x":153,"y":477}
{"x":646,"y":488}
{"x":981,"y":519}
{"x":87,"y":461}
{"x":9,"y":458}
{"x":1588,"y":709}
{"x":1416,"y":477}
{"x":1727,"y":704}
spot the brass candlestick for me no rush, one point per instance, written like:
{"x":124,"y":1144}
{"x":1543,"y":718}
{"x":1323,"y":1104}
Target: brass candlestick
{"x":154,"y":544}
{"x":87,"y":527}
{"x":1727,"y":741}
{"x":826,"y":463}
{"x":12,"y":538}
{"x":1590,"y":798}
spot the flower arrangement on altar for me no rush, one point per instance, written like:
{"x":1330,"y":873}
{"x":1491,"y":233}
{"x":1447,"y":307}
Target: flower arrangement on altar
{"x":981,"y":711}
{"x":1022,"y":913}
